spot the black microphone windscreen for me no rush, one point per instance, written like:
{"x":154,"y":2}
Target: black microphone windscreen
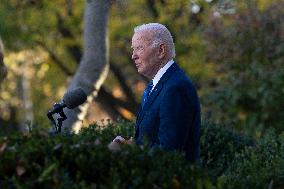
{"x":74,"y":98}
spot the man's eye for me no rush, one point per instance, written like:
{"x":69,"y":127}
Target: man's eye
{"x":139,"y":48}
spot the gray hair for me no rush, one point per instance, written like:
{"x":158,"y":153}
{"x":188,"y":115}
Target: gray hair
{"x":161,"y":34}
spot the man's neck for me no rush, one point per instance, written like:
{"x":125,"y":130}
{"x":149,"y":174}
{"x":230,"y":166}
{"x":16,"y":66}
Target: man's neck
{"x":160,"y":66}
{"x":161,"y":72}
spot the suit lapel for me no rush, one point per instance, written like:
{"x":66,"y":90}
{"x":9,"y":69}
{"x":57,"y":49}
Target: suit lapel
{"x":151,"y":98}
{"x":156,"y":92}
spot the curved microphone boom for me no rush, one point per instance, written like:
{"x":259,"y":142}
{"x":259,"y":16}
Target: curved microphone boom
{"x":71,"y":100}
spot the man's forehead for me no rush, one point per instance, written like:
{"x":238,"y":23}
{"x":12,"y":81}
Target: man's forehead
{"x":141,"y":37}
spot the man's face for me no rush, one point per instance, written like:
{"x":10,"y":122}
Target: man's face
{"x":144,"y":54}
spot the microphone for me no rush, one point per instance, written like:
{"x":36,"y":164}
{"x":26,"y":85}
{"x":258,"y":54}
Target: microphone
{"x":71,"y":100}
{"x":74,"y":98}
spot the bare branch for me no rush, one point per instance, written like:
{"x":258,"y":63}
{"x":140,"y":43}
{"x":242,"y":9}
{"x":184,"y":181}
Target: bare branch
{"x":56,"y":59}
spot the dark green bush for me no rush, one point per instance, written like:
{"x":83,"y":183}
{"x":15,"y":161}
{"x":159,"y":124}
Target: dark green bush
{"x":84,"y":161}
{"x":258,"y":167}
{"x":219,"y":145}
{"x":37,"y":160}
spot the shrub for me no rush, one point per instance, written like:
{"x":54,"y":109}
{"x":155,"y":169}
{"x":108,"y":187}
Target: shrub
{"x":219,"y":146}
{"x":38,"y":160}
{"x":247,"y":49}
{"x":258,"y":167}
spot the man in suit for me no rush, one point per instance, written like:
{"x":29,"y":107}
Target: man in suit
{"x":169,"y":117}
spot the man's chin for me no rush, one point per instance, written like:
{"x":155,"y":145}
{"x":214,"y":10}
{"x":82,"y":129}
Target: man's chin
{"x":140,"y":71}
{"x":143,"y":73}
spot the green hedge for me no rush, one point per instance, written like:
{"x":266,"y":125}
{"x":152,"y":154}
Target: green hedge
{"x":37,"y":160}
{"x":219,"y":145}
{"x":261,"y":166}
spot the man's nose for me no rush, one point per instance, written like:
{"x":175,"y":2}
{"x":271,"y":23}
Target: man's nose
{"x":134,"y":56}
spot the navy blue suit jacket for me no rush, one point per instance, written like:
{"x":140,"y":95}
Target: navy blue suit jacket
{"x":170,"y":119}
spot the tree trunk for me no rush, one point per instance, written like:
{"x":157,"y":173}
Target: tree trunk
{"x":94,"y":66}
{"x":3,"y":69}
{"x":24,"y":89}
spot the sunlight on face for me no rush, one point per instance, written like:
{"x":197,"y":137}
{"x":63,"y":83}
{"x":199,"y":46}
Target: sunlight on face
{"x":144,"y":54}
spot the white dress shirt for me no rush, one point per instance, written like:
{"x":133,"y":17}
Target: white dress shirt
{"x":161,"y":72}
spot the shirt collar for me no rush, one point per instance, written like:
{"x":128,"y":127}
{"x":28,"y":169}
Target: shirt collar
{"x":161,"y":72}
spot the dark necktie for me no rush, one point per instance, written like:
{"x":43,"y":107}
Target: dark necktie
{"x":146,"y":93}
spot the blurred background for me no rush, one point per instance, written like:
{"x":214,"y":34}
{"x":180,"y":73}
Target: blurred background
{"x":232,"y":50}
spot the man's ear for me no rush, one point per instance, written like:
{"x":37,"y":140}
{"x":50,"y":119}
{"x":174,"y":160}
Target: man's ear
{"x":162,"y":51}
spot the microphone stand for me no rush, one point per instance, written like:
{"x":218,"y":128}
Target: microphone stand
{"x":57,"y":108}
